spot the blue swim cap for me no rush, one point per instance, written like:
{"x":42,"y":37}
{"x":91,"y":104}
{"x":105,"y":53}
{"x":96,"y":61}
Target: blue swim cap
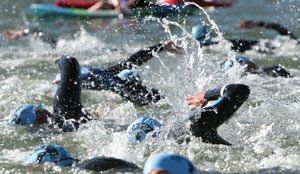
{"x":199,"y":32}
{"x":170,"y":162}
{"x":227,"y":64}
{"x":70,"y":126}
{"x":51,"y":153}
{"x":241,"y":59}
{"x":130,"y":75}
{"x":137,"y":131}
{"x":84,"y":72}
{"x":24,"y":115}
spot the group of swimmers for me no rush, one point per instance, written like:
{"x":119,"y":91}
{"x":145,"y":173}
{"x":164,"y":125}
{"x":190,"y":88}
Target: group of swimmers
{"x":209,"y":109}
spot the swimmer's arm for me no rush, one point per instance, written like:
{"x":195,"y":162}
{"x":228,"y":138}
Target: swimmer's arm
{"x":15,"y":34}
{"x":274,"y":26}
{"x":145,"y":54}
{"x":201,"y":98}
{"x":213,"y":94}
{"x":137,"y":59}
{"x":41,"y":34}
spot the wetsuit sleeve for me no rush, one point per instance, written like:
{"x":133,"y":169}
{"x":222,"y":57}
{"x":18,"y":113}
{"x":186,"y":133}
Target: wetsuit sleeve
{"x":137,"y":59}
{"x":205,"y":121}
{"x":242,"y":45}
{"x":97,"y":79}
{"x":279,"y":28}
{"x":212,"y":94}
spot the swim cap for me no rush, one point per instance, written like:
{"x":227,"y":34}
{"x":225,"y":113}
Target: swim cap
{"x":51,"y":153}
{"x":130,"y":75}
{"x":70,"y":126}
{"x":84,"y":72}
{"x":24,"y":115}
{"x":199,"y":32}
{"x":242,"y":59}
{"x":170,"y":162}
{"x":227,"y":64}
{"x":137,"y":131}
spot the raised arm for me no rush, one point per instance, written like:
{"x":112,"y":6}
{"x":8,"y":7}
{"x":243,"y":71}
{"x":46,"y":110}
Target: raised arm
{"x":137,"y":58}
{"x":205,"y":121}
{"x":67,"y":99}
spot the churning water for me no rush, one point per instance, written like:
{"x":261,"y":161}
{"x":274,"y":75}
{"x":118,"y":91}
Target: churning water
{"x":264,"y":131}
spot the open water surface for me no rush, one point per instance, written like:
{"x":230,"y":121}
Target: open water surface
{"x":264,"y":131}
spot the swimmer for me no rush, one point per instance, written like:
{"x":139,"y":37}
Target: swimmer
{"x":251,"y":67}
{"x":68,"y":112}
{"x":169,"y":163}
{"x":58,"y":155}
{"x":199,"y":32}
{"x":142,"y":127}
{"x":268,"y":25}
{"x":122,"y":78}
{"x":30,"y":31}
{"x":203,"y":120}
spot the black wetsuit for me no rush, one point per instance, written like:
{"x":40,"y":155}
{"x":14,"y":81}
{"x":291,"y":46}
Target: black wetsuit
{"x":244,"y":45}
{"x":67,"y":99}
{"x":205,"y":121}
{"x":107,"y":79}
{"x":241,"y":45}
{"x":274,"y":71}
{"x":277,"y":27}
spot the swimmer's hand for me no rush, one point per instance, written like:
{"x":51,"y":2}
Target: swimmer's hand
{"x":56,"y":80}
{"x":13,"y":34}
{"x":196,"y":100}
{"x":247,"y":24}
{"x":171,"y":47}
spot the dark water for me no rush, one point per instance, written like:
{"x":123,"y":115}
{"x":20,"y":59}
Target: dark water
{"x":265,"y":130}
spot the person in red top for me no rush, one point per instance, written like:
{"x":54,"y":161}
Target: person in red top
{"x":101,"y":4}
{"x":83,"y":4}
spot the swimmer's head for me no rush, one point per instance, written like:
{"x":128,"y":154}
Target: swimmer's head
{"x":245,"y":61}
{"x":241,"y":59}
{"x":70,"y":126}
{"x":130,"y":75}
{"x":24,"y":115}
{"x":84,"y":72}
{"x":138,"y":130}
{"x":28,"y":114}
{"x":51,"y":153}
{"x":199,"y":32}
{"x":170,"y":163}
{"x":227,"y":64}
